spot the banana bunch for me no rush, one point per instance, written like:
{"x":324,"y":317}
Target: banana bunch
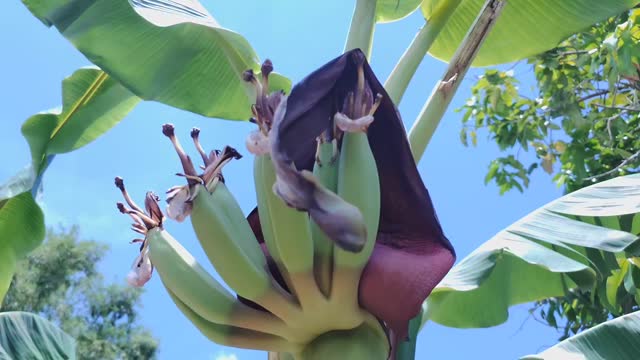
{"x":319,"y":227}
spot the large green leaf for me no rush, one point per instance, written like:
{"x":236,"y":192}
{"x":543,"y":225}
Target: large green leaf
{"x":539,"y":256}
{"x":392,"y":10}
{"x":27,"y":336}
{"x":617,"y":339}
{"x":93,"y":103}
{"x":525,"y":27}
{"x":171,"y":51}
{"x":22,"y":229}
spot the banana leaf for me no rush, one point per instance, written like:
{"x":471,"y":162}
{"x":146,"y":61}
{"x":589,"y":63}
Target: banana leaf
{"x":171,"y":51}
{"x":392,"y":10}
{"x":617,"y":339}
{"x":92,"y":104}
{"x":27,"y":336}
{"x":525,"y":27}
{"x":541,"y":255}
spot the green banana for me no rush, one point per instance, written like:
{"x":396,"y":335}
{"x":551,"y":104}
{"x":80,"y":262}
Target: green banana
{"x":287,"y":235}
{"x":358,"y":184}
{"x":233,"y":250}
{"x":233,"y":336}
{"x":183,"y":275}
{"x":326,"y":171}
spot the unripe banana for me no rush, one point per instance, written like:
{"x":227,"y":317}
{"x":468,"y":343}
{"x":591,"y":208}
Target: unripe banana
{"x":233,"y":336}
{"x":233,"y":250}
{"x":326,"y":171}
{"x":287,"y":235}
{"x":358,"y":184}
{"x":183,"y":275}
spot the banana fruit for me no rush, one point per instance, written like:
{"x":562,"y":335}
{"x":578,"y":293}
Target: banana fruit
{"x":189,"y":282}
{"x":287,"y":234}
{"x":233,"y":336}
{"x":326,"y":171}
{"x":358,"y":183}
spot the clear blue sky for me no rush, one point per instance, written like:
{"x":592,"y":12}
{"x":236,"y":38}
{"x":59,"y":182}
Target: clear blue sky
{"x":298,"y":36}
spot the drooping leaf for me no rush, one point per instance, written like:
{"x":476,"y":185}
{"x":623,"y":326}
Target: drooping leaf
{"x":171,"y":51}
{"x":27,"y":336}
{"x":615,"y":339}
{"x":539,"y":256}
{"x":93,"y":103}
{"x":525,"y":27}
{"x":21,"y":230}
{"x":392,"y":10}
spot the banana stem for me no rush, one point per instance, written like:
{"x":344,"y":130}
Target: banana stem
{"x":433,"y":111}
{"x":405,"y":69}
{"x":365,"y":342}
{"x":407,"y":349}
{"x":362,"y":27}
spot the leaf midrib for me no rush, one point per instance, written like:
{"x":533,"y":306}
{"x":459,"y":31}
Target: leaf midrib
{"x":89,"y":94}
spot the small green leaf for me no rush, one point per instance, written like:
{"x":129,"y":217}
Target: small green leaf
{"x":22,"y":229}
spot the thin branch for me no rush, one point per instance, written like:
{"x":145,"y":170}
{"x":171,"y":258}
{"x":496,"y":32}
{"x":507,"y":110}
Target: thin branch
{"x":569,"y":53}
{"x":624,"y":108}
{"x":593,"y":95}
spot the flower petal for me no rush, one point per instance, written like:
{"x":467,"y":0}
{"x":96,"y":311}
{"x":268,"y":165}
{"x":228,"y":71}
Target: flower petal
{"x":179,"y":203}
{"x":141,"y":270}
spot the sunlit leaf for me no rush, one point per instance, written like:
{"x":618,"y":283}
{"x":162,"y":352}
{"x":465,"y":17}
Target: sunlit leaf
{"x":392,"y":10}
{"x":525,"y":27}
{"x":171,"y":51}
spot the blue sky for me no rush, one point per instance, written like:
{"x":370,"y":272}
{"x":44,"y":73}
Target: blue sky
{"x":298,"y":36}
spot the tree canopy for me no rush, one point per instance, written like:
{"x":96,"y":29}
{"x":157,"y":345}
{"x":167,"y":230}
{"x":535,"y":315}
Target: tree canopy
{"x":61,"y":282}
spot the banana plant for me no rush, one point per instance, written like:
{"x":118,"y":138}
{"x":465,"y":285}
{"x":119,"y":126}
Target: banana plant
{"x":343,"y":220}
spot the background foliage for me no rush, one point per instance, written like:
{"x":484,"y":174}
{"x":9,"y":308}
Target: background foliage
{"x":60,"y":281}
{"x":581,"y":125}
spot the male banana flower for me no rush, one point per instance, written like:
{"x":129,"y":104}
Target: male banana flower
{"x":344,"y":245}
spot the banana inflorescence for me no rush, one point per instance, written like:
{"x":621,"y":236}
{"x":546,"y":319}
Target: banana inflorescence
{"x":319,"y":227}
